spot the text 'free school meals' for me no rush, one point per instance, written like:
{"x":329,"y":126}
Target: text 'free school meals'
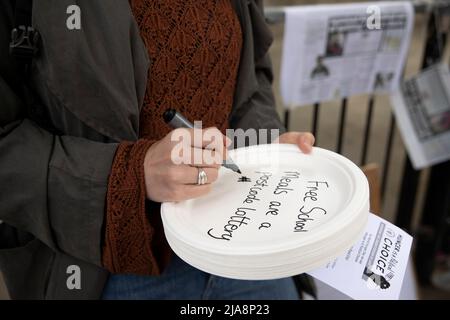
{"x":242,"y":215}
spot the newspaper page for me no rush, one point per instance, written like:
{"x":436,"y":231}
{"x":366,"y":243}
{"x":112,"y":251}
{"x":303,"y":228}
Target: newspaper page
{"x":336,"y":51}
{"x":422,"y":110}
{"x":374,"y":268}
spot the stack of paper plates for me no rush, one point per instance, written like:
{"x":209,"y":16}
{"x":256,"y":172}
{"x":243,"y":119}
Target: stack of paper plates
{"x":287,"y":214}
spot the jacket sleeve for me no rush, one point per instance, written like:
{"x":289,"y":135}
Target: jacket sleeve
{"x":129,"y":233}
{"x":259,"y":111}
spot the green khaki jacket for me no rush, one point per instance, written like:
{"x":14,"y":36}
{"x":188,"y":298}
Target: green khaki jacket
{"x":89,"y":85}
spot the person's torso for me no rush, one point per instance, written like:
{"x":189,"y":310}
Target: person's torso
{"x":92,"y":83}
{"x":194,"y":47}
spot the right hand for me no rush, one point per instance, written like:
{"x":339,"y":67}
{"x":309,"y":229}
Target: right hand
{"x":168,"y":181}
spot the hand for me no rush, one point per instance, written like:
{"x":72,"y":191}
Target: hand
{"x":171,"y":164}
{"x":304,"y":140}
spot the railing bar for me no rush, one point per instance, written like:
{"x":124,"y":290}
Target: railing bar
{"x":387,"y":157}
{"x":342,"y":125}
{"x":367,"y":130}
{"x":287,"y":117}
{"x":315,"y":124}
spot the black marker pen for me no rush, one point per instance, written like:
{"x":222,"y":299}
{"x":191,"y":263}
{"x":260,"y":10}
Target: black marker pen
{"x":177,"y":120}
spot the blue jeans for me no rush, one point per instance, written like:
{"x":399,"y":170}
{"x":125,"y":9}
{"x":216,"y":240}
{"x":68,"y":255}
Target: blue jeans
{"x":182,"y":281}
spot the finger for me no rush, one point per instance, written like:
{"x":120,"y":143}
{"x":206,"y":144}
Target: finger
{"x":305,"y":142}
{"x":309,"y":138}
{"x":184,"y":174}
{"x":211,"y":175}
{"x":210,"y":138}
{"x":227,"y":142}
{"x":288,"y":138}
{"x":187,"y":155}
{"x":295,"y":138}
{"x":207,"y":158}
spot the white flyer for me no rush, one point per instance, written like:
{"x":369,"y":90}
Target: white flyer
{"x":374,"y":268}
{"x":336,"y":51}
{"x":422,"y":110}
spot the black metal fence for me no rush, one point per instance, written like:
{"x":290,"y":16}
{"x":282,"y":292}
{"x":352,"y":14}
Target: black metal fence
{"x":433,"y":234}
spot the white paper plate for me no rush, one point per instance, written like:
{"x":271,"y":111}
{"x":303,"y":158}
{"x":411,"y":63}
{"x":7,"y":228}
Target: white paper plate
{"x":336,"y":210}
{"x":272,"y":267}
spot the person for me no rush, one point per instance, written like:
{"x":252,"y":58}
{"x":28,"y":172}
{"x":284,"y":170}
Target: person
{"x":85,"y":156}
{"x":320,"y":70}
{"x":335,"y":44}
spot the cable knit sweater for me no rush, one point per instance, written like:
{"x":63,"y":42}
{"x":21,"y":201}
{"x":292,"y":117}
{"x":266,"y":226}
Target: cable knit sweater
{"x":194,"y":47}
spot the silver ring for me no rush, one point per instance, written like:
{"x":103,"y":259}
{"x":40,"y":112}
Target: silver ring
{"x":202,"y":177}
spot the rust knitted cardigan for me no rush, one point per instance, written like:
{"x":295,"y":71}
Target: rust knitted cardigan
{"x":194,"y":47}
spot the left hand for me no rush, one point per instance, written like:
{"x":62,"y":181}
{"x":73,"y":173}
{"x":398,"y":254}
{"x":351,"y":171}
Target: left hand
{"x":304,"y":140}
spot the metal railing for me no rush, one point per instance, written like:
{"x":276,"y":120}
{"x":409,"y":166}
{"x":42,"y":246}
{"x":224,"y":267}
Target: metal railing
{"x":434,"y":221}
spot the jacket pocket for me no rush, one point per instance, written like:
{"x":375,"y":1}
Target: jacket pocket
{"x":74,"y":279}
